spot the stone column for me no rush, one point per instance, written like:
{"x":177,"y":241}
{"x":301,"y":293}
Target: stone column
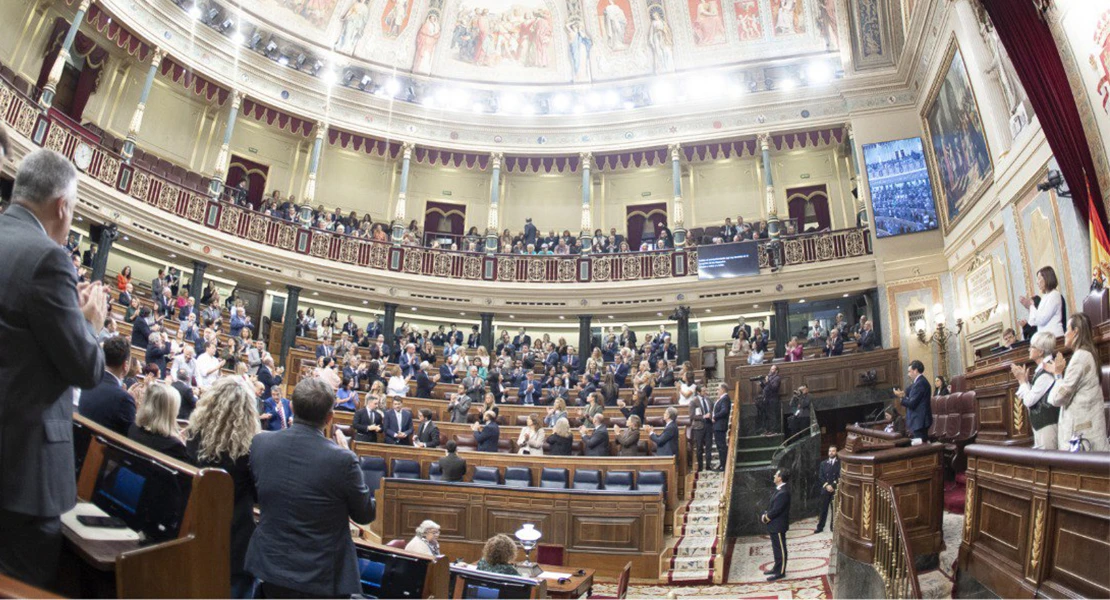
{"x":399,"y":210}
{"x":137,"y":118}
{"x":108,"y":235}
{"x":876,"y":315}
{"x":492,"y":232}
{"x":586,"y":238}
{"x":56,"y":69}
{"x":487,"y":332}
{"x":585,"y":339}
{"x":220,"y":168}
{"x":288,"y":321}
{"x":314,"y":162}
{"x":861,"y":207}
{"x":774,"y":226}
{"x":678,"y":228}
{"x":196,"y":284}
{"x":780,"y":327}
{"x":389,"y":323}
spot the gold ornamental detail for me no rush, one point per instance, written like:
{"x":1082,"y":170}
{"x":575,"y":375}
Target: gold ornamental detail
{"x":866,"y":517}
{"x":1038,"y":536}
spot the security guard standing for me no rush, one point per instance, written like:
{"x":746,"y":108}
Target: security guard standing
{"x":777,"y":518}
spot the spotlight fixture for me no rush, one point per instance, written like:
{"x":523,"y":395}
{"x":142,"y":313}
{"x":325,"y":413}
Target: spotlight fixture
{"x":348,"y":77}
{"x":283,"y":60}
{"x":392,"y":87}
{"x":237,"y":38}
{"x":301,"y":59}
{"x":226,"y":24}
{"x":1055,"y":181}
{"x":211,"y":15}
{"x":195,"y":12}
{"x":560,"y":102}
{"x":256,"y":39}
{"x":317,"y":65}
{"x":364,"y":82}
{"x":271,"y":47}
{"x":329,"y":77}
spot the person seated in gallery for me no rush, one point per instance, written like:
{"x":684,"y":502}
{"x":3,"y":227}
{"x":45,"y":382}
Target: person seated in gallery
{"x":794,"y":350}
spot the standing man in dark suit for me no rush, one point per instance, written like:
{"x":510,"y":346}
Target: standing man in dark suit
{"x":424,"y":382}
{"x":49,"y":347}
{"x":741,"y":326}
{"x":324,"y":349}
{"x":699,"y":414}
{"x":619,"y":370}
{"x":828,"y":475}
{"x":596,"y":442}
{"x":108,"y":403}
{"x":374,"y":329}
{"x":777,"y":519}
{"x":451,"y":466}
{"x":188,"y":400}
{"x":916,"y":399}
{"x":665,"y":377}
{"x":666,"y":443}
{"x":522,"y":340}
{"x":427,"y":434}
{"x":487,"y":433}
{"x":367,"y":422}
{"x":530,"y":233}
{"x":770,"y":411}
{"x":309,"y":487}
{"x":867,"y":340}
{"x":398,"y":424}
{"x":721,"y":410}
{"x":268,"y":376}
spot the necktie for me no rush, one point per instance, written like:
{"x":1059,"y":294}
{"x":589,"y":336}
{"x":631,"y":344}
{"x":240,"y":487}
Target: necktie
{"x":281,"y":413}
{"x":704,"y":406}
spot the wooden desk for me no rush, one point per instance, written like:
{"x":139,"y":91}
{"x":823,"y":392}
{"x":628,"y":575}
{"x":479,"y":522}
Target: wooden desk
{"x":823,"y":376}
{"x":576,"y":587}
{"x":98,"y":554}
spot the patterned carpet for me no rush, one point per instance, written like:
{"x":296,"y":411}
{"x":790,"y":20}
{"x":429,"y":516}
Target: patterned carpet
{"x":807,"y":569}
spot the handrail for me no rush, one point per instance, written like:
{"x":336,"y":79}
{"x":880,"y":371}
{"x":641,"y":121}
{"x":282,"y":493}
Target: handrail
{"x":726,"y":489}
{"x":893,"y":557}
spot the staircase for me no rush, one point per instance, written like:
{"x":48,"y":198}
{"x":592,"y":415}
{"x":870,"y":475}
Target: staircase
{"x":691,"y":559}
{"x":756,"y":451}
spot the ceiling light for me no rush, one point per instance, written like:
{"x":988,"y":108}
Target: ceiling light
{"x":237,"y":38}
{"x":845,"y":295}
{"x":301,"y":58}
{"x":271,"y":46}
{"x":802,"y":301}
{"x":736,"y":90}
{"x":755,"y":306}
{"x":392,"y":87}
{"x":662,"y":93}
{"x":428,"y":102}
{"x":595,"y":100}
{"x":364,"y":82}
{"x":561,"y":102}
{"x":628,"y":105}
{"x":256,"y":39}
{"x":329,"y":77}
{"x":512,"y":316}
{"x":561,"y":317}
{"x":509,"y":102}
{"x":709,"y":310}
{"x":195,"y":12}
{"x":527,"y":110}
{"x":788,"y":84}
{"x":283,"y":61}
{"x":366,"y":302}
{"x":414,"y":309}
{"x":579,"y":109}
{"x":267,"y":283}
{"x":126,"y":238}
{"x":610,"y":316}
{"x":659,"y":314}
{"x":315,"y":293}
{"x":210,"y":17}
{"x":478,"y":107}
{"x":462,"y":313}
{"x":612,"y":99}
{"x":819,"y":72}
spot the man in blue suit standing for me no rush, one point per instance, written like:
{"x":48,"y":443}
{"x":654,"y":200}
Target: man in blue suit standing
{"x":487,"y":433}
{"x":619,"y":370}
{"x":398,"y":423}
{"x":374,"y":328}
{"x":529,"y":392}
{"x":666,"y":443}
{"x":916,"y":399}
{"x":721,"y":409}
{"x":530,"y":233}
{"x":777,"y":519}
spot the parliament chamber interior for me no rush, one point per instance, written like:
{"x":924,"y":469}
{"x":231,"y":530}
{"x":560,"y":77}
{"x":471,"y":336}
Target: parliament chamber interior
{"x":554,"y":298}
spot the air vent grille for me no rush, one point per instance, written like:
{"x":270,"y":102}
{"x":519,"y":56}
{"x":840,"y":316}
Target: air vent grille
{"x":639,"y":301}
{"x":346,"y":285}
{"x":160,"y":235}
{"x":251,"y":263}
{"x":813,"y":284}
{"x":440,"y":298}
{"x":541,"y":304}
{"x":739,"y":293}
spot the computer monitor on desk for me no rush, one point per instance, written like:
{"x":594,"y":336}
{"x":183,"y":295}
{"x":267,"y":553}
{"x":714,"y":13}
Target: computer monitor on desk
{"x":388,"y":573}
{"x":467,"y":582}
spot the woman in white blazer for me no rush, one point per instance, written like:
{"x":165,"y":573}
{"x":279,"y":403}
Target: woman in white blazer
{"x":1077,"y":391}
{"x":531,"y":437}
{"x":1049,"y":314}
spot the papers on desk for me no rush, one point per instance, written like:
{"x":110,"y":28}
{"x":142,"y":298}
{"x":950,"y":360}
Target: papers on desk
{"x":553,"y":575}
{"x":100,"y":534}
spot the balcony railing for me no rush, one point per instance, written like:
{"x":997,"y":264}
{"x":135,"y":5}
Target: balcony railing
{"x":45,"y":129}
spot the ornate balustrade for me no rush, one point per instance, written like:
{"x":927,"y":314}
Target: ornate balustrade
{"x":54,"y":132}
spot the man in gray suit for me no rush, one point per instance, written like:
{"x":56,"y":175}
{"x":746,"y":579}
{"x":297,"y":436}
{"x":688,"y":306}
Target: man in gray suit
{"x":49,"y":325}
{"x":459,"y":405}
{"x":308,"y":487}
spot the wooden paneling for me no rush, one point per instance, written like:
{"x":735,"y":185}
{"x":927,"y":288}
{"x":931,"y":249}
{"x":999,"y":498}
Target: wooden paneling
{"x":824,"y":376}
{"x":601,"y":530}
{"x":1037,"y":522}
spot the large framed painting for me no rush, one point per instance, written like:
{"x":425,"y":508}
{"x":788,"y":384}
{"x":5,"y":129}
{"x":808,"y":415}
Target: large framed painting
{"x":957,"y":142}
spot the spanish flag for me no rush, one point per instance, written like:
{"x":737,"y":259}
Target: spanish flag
{"x":1100,"y":243}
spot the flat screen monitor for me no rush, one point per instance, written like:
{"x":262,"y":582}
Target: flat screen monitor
{"x":735,"y":259}
{"x":482,"y":586}
{"x":901,"y":192}
{"x":385,"y":574}
{"x":81,"y":438}
{"x":149,"y":496}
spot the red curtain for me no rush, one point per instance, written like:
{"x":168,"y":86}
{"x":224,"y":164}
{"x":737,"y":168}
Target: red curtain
{"x":89,"y":78}
{"x":815,"y":195}
{"x":442,"y":219}
{"x":1036,"y":58}
{"x":255,"y":173}
{"x":644,"y":218}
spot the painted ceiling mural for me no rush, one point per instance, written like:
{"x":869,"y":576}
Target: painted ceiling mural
{"x":556,"y":41}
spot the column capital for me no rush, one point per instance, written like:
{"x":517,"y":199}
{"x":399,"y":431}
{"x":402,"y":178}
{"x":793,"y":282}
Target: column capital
{"x":293,"y":289}
{"x":495,"y":159}
{"x":321,"y":129}
{"x":849,"y":131}
{"x":406,"y":149}
{"x":675,"y":150}
{"x":156,"y":57}
{"x":586,"y":158}
{"x":84,"y":6}
{"x":236,"y":99}
{"x":200,"y":263}
{"x":764,"y":141}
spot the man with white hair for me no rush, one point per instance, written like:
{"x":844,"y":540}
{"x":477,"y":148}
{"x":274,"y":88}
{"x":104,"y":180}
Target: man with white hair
{"x":425,"y":382}
{"x":185,"y":362}
{"x":49,"y":323}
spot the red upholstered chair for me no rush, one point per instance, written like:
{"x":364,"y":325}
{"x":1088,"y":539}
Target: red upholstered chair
{"x":550,"y":554}
{"x":622,"y":584}
{"x":397,"y":544}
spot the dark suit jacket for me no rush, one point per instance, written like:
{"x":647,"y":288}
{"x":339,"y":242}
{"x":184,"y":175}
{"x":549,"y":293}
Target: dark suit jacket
{"x":721,"y":410}
{"x":867,"y":341}
{"x":778,"y":510}
{"x":628,"y":442}
{"x":140,"y":333}
{"x":530,"y":235}
{"x":364,"y":419}
{"x":268,"y":380}
{"x":108,"y":404}
{"x":488,"y":436}
{"x":620,"y":374}
{"x":308,"y":487}
{"x":837,"y":348}
{"x":424,"y":385}
{"x":747,"y":331}
{"x":919,"y":410}
{"x":392,"y":427}
{"x":188,"y":402}
{"x":666,"y":443}
{"x":519,"y":342}
{"x":157,"y":355}
{"x":666,"y":378}
{"x":324,"y":350}
{"x":559,"y":445}
{"x":771,"y":388}
{"x":452,"y":467}
{"x":428,"y":433}
{"x":596,"y":443}
{"x":829,"y":474}
{"x":47,"y":348}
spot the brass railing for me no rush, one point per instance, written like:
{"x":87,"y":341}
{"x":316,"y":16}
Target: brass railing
{"x":893,"y":557}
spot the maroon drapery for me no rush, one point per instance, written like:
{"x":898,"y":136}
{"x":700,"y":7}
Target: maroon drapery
{"x":1036,"y":58}
{"x":818,"y":196}
{"x":442,"y":218}
{"x":644,"y":217}
{"x":89,"y":77}
{"x":256,"y":174}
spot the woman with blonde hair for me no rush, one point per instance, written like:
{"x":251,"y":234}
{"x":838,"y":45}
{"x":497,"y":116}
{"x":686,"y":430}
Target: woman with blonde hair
{"x":219,"y":436}
{"x":398,"y":386}
{"x":483,"y":357}
{"x":155,"y":423}
{"x":560,"y":441}
{"x":558,"y":410}
{"x":1077,"y":390}
{"x":531,"y":437}
{"x":596,"y":360}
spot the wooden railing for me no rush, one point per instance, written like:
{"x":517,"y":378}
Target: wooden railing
{"x":893,"y":556}
{"x":44,"y":129}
